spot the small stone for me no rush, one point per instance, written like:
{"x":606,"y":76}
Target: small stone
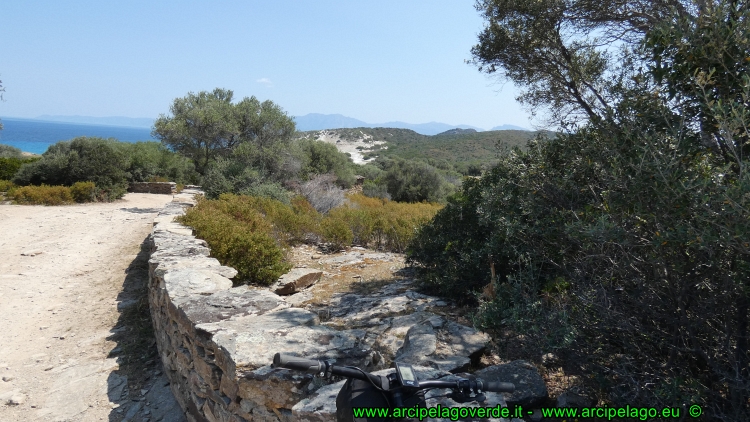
{"x":8,"y":378}
{"x":17,"y":400}
{"x":143,"y":392}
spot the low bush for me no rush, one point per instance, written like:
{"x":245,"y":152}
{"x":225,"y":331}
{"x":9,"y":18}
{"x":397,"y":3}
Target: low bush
{"x":252,"y":233}
{"x":42,"y":195}
{"x":9,"y":166}
{"x":323,"y":193}
{"x":381,"y":223}
{"x":239,"y":236}
{"x":83,"y":191}
{"x":6,"y":185}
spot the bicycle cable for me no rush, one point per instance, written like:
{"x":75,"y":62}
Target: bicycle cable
{"x":380,"y":389}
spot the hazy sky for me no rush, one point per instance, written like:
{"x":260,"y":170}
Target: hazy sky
{"x":377,"y":60}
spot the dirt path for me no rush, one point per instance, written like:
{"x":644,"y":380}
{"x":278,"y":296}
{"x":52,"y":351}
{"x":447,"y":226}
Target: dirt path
{"x":74,"y":342}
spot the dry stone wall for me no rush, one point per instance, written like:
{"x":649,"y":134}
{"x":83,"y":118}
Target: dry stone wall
{"x":166,"y":188}
{"x":217,"y":341}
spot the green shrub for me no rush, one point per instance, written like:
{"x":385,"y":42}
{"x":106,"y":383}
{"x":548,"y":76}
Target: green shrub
{"x":153,"y":162}
{"x":9,"y":166}
{"x":324,"y":158}
{"x":7,"y":151}
{"x":6,"y":185}
{"x":83,"y":191}
{"x":42,"y":195}
{"x":240,"y":237}
{"x":82,"y":159}
{"x":413,"y":181}
{"x":377,"y":223}
{"x":337,"y":232}
{"x":252,"y":233}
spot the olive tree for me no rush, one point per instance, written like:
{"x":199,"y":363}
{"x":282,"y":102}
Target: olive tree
{"x":560,"y":53}
{"x":202,"y":126}
{"x":208,"y":125}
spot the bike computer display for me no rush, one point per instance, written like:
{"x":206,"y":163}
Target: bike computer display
{"x":406,"y":375}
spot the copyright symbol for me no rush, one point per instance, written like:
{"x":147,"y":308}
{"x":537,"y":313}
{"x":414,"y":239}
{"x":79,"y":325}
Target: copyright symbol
{"x":695,"y":410}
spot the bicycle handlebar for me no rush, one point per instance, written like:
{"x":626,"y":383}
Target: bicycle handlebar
{"x":299,"y":364}
{"x":316,"y":367}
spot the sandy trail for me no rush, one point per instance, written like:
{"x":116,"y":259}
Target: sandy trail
{"x":63,"y":274}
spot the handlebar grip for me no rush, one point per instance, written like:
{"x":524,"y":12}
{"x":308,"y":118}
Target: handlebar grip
{"x":500,"y":387}
{"x":299,"y":364}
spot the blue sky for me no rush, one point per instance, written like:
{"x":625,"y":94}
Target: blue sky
{"x":376,"y":61}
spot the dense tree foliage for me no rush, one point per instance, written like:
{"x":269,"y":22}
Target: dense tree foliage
{"x":79,"y":160}
{"x":202,"y":126}
{"x":622,"y":243}
{"x":109,"y":164}
{"x":560,"y":52}
{"x":324,"y":158}
{"x":207,"y":125}
{"x":7,"y":151}
{"x":149,"y":161}
{"x":9,"y":166}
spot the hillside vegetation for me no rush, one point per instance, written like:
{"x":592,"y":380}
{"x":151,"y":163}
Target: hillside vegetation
{"x":252,"y":233}
{"x":461,"y":151}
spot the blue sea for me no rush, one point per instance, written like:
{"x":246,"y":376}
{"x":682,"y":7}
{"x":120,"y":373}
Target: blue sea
{"x":36,"y":135}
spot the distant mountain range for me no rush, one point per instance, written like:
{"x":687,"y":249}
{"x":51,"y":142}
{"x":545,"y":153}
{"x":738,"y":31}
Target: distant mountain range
{"x":106,"y":121}
{"x":312,"y":121}
{"x":316,"y":121}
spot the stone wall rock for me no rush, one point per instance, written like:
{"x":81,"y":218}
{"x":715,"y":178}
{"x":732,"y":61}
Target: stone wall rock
{"x":166,"y":188}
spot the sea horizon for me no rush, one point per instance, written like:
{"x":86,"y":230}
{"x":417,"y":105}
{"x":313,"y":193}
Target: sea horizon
{"x":35,"y":136}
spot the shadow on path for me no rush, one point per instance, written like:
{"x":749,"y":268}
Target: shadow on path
{"x":138,"y":387}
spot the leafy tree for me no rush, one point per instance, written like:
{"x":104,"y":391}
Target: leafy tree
{"x":202,"y":126}
{"x":703,"y":63}
{"x":207,"y":126}
{"x":559,"y":52}
{"x":148,"y":160}
{"x":267,"y":128}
